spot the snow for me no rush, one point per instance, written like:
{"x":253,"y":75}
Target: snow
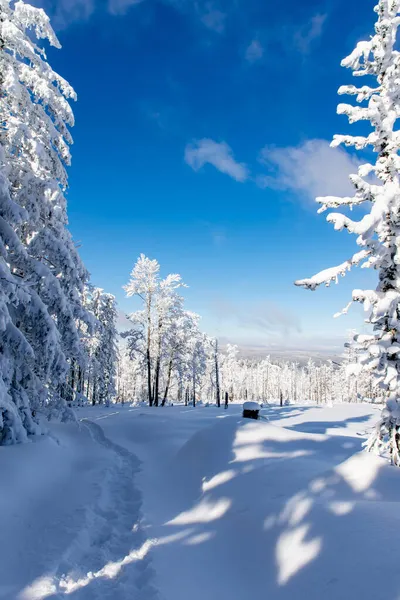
{"x":251,"y":406}
{"x":181,"y":502}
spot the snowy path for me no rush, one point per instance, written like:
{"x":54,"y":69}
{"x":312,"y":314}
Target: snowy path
{"x":88,"y":543}
{"x":110,"y":558}
{"x":228,"y":509}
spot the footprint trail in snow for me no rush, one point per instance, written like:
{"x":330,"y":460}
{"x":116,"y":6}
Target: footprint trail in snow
{"x":110,"y":558}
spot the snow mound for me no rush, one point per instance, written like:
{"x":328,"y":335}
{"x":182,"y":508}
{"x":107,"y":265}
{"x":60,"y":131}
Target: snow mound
{"x":251,"y":406}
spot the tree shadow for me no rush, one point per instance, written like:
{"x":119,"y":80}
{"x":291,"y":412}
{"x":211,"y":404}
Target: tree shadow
{"x":285,"y":518}
{"x":277,"y":413}
{"x":323,"y":426}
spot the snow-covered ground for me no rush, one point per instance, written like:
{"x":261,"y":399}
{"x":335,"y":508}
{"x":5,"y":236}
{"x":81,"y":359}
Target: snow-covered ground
{"x":179,"y":503}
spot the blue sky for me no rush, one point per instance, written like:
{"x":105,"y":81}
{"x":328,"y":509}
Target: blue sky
{"x":202,"y":136}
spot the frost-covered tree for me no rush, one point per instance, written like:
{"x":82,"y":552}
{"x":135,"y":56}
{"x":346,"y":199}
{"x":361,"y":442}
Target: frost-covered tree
{"x":216,"y":370}
{"x":262,"y":380}
{"x":378,"y":231}
{"x":106,"y":349}
{"x":179,"y":335}
{"x":198,"y":345}
{"x":229,"y":370}
{"x":43,"y":304}
{"x":161,"y":306}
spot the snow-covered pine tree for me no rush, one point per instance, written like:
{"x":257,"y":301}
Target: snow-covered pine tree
{"x":37,"y":249}
{"x":106,"y":349}
{"x":15,"y":412}
{"x":379,"y":230}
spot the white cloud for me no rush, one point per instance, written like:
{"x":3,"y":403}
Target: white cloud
{"x":120,"y":7}
{"x":311,"y":169}
{"x":254,"y":52}
{"x":219,"y":155}
{"x":64,"y":12}
{"x":262,"y":317}
{"x":308,"y":33}
{"x":213,"y":18}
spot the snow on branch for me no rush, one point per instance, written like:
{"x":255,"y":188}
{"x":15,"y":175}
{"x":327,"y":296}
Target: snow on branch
{"x":332,"y":274}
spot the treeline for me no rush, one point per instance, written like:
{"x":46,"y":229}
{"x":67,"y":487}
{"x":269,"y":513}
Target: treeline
{"x":226,"y":375}
{"x":167,"y":358}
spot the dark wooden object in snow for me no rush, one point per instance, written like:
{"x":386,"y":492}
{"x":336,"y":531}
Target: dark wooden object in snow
{"x":250,"y":414}
{"x":251,"y":410}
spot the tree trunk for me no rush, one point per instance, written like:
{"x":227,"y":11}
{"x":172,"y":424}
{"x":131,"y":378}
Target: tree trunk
{"x":217,"y":388}
{"x":80,"y":380}
{"x":88,"y":386}
{"x":180,"y":389}
{"x":72,"y":379}
{"x":148,"y":357}
{"x":226,"y":399}
{"x":168,"y":382}
{"x":158,"y":365}
{"x":156,"y":383}
{"x":94,"y":392}
{"x":149,"y":390}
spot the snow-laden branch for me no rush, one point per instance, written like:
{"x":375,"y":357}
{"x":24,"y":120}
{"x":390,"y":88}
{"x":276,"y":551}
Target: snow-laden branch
{"x":333,"y":273}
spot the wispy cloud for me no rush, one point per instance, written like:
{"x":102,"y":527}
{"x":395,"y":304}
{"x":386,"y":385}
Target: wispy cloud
{"x":254,"y":51}
{"x":120,"y":7}
{"x":311,"y":31}
{"x":213,"y":18}
{"x":64,"y":12}
{"x":311,"y":169}
{"x":261,"y":317}
{"x":220,"y":155}
{"x":297,"y":349}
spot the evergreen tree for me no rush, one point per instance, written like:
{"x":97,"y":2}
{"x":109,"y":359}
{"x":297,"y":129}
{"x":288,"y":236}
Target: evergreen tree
{"x":378,"y":231}
{"x":43,"y":276}
{"x":106,"y":351}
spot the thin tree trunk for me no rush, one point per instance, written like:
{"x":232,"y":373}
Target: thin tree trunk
{"x":94,"y":393}
{"x":158,"y":365}
{"x":217,"y":388}
{"x":168,"y":382}
{"x":150,"y":396}
{"x":72,"y":379}
{"x":88,"y":387}
{"x":148,"y":357}
{"x":187,"y":396}
{"x":80,"y":380}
